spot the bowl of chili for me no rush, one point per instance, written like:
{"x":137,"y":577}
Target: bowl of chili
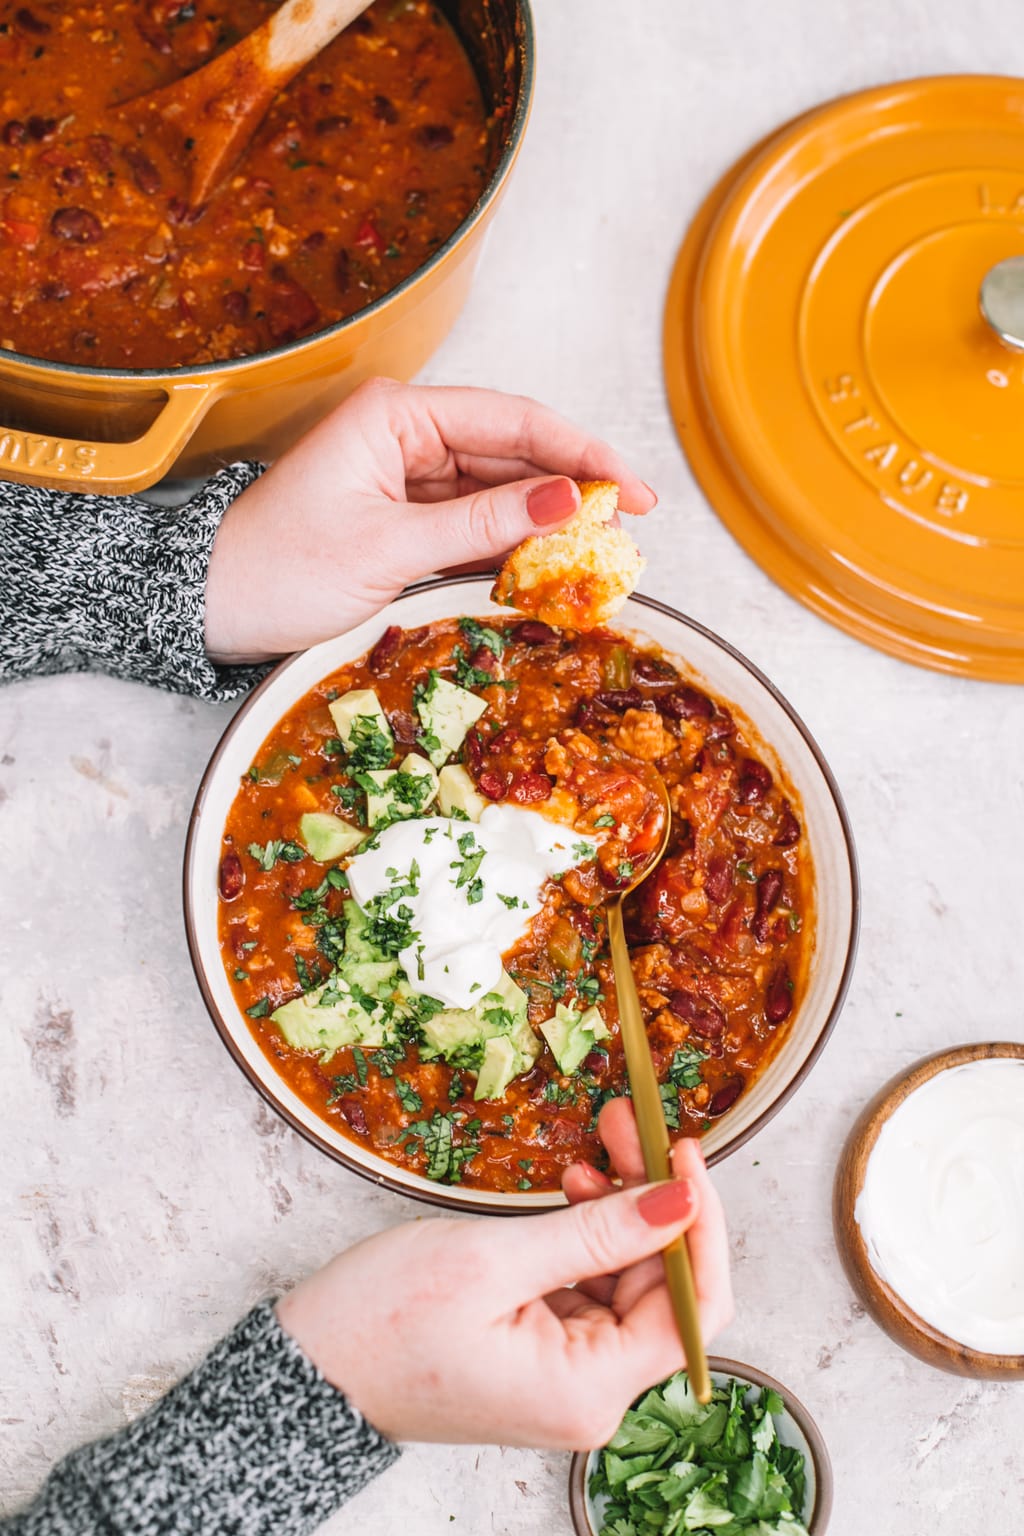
{"x":742,"y":942}
{"x":140,"y":337}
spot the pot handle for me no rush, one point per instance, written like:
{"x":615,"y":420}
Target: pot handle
{"x":113,"y":469}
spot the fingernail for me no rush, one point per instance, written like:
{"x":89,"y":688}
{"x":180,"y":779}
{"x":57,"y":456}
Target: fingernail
{"x":667,"y":1203}
{"x":651,"y":492}
{"x":553,"y":501}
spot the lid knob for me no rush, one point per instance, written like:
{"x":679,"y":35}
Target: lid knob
{"x":1002,"y":301}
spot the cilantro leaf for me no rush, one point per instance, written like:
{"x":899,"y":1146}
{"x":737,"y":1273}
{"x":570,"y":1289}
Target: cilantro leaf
{"x":478,"y":634}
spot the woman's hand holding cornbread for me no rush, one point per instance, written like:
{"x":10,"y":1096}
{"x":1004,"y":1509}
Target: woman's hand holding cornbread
{"x":399,"y":481}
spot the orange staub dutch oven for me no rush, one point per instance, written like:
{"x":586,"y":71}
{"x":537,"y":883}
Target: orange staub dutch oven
{"x":116,"y":430}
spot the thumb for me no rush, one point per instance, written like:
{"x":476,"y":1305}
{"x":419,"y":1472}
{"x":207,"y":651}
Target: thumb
{"x":537,"y":1254}
{"x":490,"y":522}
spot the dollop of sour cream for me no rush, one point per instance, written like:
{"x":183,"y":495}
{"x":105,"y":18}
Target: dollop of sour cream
{"x":468,"y":890}
{"x":942,"y":1207}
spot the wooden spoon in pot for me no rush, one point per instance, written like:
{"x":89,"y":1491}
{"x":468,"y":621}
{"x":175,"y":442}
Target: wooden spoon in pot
{"x":216,"y":109}
{"x":650,"y":1113}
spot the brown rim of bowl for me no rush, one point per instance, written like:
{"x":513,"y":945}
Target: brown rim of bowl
{"x":438,"y":1197}
{"x":885,"y":1305}
{"x":527,"y":47}
{"x":817,"y":1523}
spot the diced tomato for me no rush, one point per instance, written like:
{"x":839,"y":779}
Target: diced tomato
{"x":20,"y":232}
{"x":370,"y":237}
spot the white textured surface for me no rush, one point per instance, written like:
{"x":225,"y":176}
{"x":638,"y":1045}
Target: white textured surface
{"x":148,"y":1197}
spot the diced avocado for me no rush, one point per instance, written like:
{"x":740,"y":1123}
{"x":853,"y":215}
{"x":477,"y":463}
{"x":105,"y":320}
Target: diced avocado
{"x":327,"y":837}
{"x":363,"y":727}
{"x":401,"y":792}
{"x":309,"y":1027}
{"x":469,"y":1037}
{"x":447,"y":712}
{"x":573,"y":1035}
{"x":457,"y":792}
{"x":499,"y":1066}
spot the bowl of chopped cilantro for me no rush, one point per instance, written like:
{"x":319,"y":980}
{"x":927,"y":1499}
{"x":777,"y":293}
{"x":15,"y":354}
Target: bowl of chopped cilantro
{"x":750,"y":1460}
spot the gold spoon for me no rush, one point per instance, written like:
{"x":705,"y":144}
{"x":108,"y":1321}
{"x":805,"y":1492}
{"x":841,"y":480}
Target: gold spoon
{"x":216,"y":110}
{"x":650,"y":1114}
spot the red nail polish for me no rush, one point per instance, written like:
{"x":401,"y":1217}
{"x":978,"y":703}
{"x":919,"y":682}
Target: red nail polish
{"x":552,"y":502}
{"x":667,"y":1203}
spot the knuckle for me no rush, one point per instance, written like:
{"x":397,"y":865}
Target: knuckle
{"x":597,"y":1235}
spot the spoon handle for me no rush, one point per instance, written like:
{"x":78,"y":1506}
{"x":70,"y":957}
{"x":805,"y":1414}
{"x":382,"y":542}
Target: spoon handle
{"x":301,"y":28}
{"x":654,"y":1143}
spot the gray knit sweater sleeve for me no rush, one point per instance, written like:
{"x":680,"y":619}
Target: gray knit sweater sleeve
{"x":111,"y":584}
{"x":253,"y":1443}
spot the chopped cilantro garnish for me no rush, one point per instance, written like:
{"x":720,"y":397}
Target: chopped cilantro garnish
{"x":745,"y":872}
{"x":307,"y":979}
{"x":582,"y":850}
{"x":267,"y":854}
{"x":670,"y":1104}
{"x":554,"y":1093}
{"x":480,"y":634}
{"x":793,"y":922}
{"x":468,"y":676}
{"x":259,"y":1010}
{"x":510,"y":901}
{"x":625,"y":869}
{"x":332,"y":747}
{"x":407,"y":1096}
{"x":362,"y":1070}
{"x":368,"y":747}
{"x":250,"y":944}
{"x":588,"y":988}
{"x":524,"y":1184}
{"x":685,"y":1068}
{"x":606,"y":820}
{"x":241,"y":975}
{"x":446,"y":1147}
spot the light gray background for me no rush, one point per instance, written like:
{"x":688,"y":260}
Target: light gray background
{"x":149,"y":1198}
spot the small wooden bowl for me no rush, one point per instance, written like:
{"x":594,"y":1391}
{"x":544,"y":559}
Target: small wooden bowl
{"x":795,"y":1426}
{"x":885,"y":1305}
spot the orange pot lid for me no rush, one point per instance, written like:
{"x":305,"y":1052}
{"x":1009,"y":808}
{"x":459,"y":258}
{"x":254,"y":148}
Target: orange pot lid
{"x":849,"y":410}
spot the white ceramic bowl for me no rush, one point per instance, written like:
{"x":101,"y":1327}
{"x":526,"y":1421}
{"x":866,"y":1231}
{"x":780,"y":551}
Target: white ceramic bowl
{"x":795,"y":1427}
{"x":707,"y":661}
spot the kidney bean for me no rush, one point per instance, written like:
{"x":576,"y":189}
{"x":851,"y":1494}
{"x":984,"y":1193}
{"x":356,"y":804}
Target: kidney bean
{"x":526,"y":788}
{"x":333,"y":124}
{"x":620,"y":699}
{"x":648,"y":669}
{"x":405,"y":727}
{"x":41,"y":128}
{"x":721,"y":726}
{"x":788,"y":831}
{"x":314,"y":241}
{"x":28,"y":21}
{"x":76,"y":224}
{"x":72,"y":175}
{"x":491,"y":784}
{"x":724,"y":1098}
{"x":778,"y":999}
{"x":386,"y":649}
{"x":594,"y":1061}
{"x":384,"y":109}
{"x":473,"y":750}
{"x":342,"y":271}
{"x":504,"y":739}
{"x":719,"y":878}
{"x":435,"y":135}
{"x":54,"y":291}
{"x":354,"y":1113}
{"x":236,"y":304}
{"x":144,"y":173}
{"x":484,"y":660}
{"x":533,"y":632}
{"x":769,"y":888}
{"x":291,"y":310}
{"x":686,"y":703}
{"x":755,"y":782}
{"x":704,"y":1017}
{"x":14,"y":132}
{"x":363,"y":24}
{"x":232,"y":877}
